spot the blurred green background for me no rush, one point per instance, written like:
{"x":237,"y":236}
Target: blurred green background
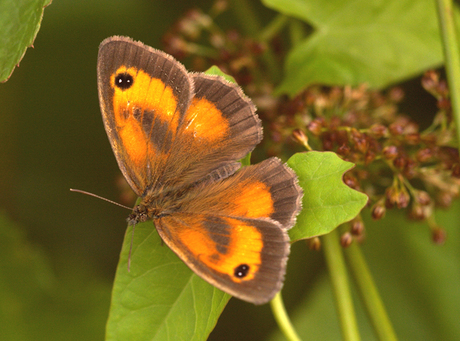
{"x":59,"y":249}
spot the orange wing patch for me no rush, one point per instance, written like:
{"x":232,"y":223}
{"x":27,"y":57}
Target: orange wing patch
{"x":146,"y":95}
{"x":243,"y":246}
{"x":205,"y":121}
{"x":254,"y":200}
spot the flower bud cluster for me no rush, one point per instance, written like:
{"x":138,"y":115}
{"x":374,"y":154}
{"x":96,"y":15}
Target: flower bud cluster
{"x":397,"y":164}
{"x":197,"y":35}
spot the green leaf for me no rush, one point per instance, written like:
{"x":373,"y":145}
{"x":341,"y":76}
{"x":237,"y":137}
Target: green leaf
{"x":160,"y":298}
{"x":327,"y":201}
{"x":246,"y":161}
{"x":214,"y":70}
{"x":364,"y":41}
{"x":19,"y":24}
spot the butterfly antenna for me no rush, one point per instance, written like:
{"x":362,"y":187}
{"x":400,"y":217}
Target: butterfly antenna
{"x":102,"y":198}
{"x":118,"y":204}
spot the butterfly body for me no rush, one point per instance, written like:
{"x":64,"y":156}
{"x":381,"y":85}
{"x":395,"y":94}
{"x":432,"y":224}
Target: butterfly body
{"x":177,"y":137}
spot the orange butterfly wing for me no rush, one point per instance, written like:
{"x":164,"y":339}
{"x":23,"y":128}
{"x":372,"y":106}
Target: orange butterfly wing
{"x":233,"y":232}
{"x":177,"y":137}
{"x":169,"y":128}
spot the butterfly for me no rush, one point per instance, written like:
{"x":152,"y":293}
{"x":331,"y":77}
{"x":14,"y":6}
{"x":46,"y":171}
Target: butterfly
{"x":177,"y":137}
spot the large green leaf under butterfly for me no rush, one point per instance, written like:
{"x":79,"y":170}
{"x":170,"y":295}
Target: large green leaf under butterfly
{"x":160,"y":298}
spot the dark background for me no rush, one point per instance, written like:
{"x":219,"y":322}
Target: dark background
{"x":53,"y":139}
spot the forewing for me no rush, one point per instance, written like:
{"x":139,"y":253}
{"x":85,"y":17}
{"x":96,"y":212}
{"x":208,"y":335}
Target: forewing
{"x":144,"y":95}
{"x":220,"y":127}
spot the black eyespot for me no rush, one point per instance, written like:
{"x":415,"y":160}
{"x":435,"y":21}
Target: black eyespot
{"x":124,"y":81}
{"x":241,"y":270}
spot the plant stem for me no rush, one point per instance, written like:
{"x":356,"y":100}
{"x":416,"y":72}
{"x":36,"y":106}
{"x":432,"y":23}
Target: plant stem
{"x":369,"y":294}
{"x":250,"y":24}
{"x":451,"y":56}
{"x":337,"y":270}
{"x":247,"y":18}
{"x":273,"y":28}
{"x":282,"y":318}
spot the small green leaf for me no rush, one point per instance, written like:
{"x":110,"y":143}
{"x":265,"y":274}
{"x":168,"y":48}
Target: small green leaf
{"x":363,"y":41}
{"x":19,"y":24}
{"x":214,"y":70}
{"x":327,"y":201}
{"x":160,"y":298}
{"x":246,"y":161}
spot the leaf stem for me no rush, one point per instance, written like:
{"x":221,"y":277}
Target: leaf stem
{"x":451,"y":55}
{"x":251,"y":25}
{"x":340,"y":285}
{"x":273,"y":28}
{"x":282,"y":318}
{"x":369,"y":294}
